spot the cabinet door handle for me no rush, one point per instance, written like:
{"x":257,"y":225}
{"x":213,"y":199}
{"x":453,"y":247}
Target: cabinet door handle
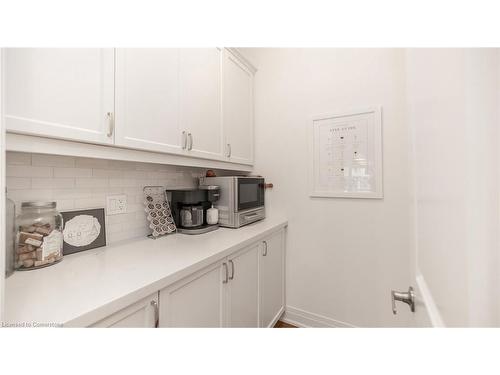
{"x":264,"y":252}
{"x":157,"y":313}
{"x":111,"y":124}
{"x":190,"y":137}
{"x":228,"y":150}
{"x":226,"y":272}
{"x":232,"y":270}
{"x":184,"y":140}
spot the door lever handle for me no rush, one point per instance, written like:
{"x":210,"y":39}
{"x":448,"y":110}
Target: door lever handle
{"x":406,"y":297}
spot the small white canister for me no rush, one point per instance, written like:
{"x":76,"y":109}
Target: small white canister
{"x":212,"y":216}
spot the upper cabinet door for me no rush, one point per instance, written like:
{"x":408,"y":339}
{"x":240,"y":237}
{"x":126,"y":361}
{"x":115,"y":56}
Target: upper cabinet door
{"x":60,"y":92}
{"x":200,"y":101}
{"x":237,"y":110}
{"x":147,"y":99}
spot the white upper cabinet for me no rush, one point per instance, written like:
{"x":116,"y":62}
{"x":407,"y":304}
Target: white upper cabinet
{"x":195,"y":102}
{"x":60,"y":93}
{"x":147,"y":99}
{"x":200,"y":101}
{"x":237,"y":101}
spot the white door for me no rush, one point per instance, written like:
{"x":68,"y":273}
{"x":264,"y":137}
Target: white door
{"x":237,"y":110}
{"x":243,"y":288}
{"x":142,"y":314}
{"x":2,"y":200}
{"x":147,"y":99}
{"x":272,"y":279}
{"x":60,"y":92}
{"x":453,"y":110}
{"x":196,"y":301}
{"x":200,"y":100}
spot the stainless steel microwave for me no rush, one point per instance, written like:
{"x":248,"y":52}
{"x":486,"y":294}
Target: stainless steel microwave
{"x":241,"y":199}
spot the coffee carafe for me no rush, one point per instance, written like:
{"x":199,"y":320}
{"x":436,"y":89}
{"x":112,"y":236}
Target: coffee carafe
{"x":191,"y":216}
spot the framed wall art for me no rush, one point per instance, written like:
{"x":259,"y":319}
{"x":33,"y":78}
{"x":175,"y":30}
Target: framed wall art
{"x":83,"y":230}
{"x":346,"y":154}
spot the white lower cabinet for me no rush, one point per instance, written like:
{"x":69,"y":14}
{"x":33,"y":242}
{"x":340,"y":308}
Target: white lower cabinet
{"x":196,"y":301}
{"x":242,"y":291}
{"x":142,"y":314}
{"x":245,"y":289}
{"x":272,"y":279}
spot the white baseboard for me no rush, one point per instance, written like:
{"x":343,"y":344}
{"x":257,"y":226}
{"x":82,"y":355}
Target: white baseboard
{"x":306,"y":319}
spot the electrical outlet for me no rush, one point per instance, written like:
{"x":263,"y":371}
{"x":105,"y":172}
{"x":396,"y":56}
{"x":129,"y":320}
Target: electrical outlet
{"x":116,"y":204}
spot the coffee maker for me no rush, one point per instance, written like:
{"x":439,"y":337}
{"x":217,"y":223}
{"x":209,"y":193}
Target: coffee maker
{"x":189,"y":208}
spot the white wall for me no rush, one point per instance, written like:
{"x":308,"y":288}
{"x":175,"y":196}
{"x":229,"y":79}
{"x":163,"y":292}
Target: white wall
{"x":343,"y":255}
{"x":453,"y":109}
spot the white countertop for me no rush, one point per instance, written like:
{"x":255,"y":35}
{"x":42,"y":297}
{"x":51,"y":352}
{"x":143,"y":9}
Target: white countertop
{"x":91,"y":285}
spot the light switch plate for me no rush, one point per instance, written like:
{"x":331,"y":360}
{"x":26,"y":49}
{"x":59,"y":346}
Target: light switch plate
{"x":116,"y":204}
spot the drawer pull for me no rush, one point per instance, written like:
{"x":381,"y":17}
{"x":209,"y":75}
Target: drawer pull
{"x":111,"y":124}
{"x":226,"y":273}
{"x":157,"y":313}
{"x":232,"y":270}
{"x":184,"y":140}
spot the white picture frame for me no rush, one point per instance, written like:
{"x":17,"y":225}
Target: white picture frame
{"x":345,"y":152}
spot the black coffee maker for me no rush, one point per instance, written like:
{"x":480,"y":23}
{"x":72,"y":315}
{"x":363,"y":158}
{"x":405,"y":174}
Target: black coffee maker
{"x":189,"y":208}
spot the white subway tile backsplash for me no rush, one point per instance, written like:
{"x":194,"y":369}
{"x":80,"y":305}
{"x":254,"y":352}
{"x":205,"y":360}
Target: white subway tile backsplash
{"x":108,"y":173}
{"x":91,"y":182}
{"x":80,"y":183}
{"x":114,"y":228}
{"x":65,"y":204}
{"x":19,"y":183}
{"x":28,"y":171}
{"x":90,"y":203}
{"x":52,"y":183}
{"x":119,"y":164}
{"x":25,"y":195}
{"x":72,"y":193}
{"x":72,"y":172}
{"x":121,"y":218}
{"x":125,"y":182}
{"x":91,"y":163}
{"x":52,"y":161}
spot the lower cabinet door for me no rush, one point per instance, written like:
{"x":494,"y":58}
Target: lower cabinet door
{"x":195,"y":301}
{"x":142,"y":314}
{"x":272,"y":279}
{"x":243,"y":288}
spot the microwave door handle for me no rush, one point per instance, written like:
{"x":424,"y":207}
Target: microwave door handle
{"x":251,"y":215}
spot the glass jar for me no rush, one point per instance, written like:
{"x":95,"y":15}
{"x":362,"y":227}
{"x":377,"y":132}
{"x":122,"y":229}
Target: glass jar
{"x":39,"y":239}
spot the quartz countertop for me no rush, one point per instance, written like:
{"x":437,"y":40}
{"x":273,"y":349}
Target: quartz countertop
{"x":88,"y":286}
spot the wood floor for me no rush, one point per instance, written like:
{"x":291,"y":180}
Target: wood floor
{"x":281,"y":324}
